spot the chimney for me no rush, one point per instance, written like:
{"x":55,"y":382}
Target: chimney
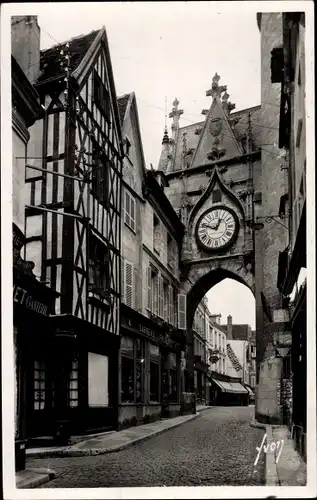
{"x":25,"y":45}
{"x":229,"y":327}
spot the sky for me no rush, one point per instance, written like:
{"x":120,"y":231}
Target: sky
{"x":163,"y":50}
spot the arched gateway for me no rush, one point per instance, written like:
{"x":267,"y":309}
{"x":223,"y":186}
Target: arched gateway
{"x":213,"y":170}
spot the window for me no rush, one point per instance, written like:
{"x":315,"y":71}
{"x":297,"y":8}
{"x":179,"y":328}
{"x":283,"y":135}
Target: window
{"x":128,"y":284}
{"x":98,"y":377}
{"x":39,"y":385}
{"x":173,"y":377}
{"x":73,"y":385}
{"x":127,"y":146}
{"x":216,"y":196}
{"x":252,"y":381}
{"x":100,"y":172}
{"x":98,"y":263}
{"x":156,"y":234}
{"x":154,"y":373}
{"x":129,"y":210}
{"x":101,"y":96}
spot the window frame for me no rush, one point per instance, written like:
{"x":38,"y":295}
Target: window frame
{"x":129,"y":218}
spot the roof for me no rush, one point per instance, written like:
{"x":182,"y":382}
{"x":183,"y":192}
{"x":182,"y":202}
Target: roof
{"x":122,"y":105}
{"x":239,"y":332}
{"x":239,"y":130}
{"x":50,"y":58}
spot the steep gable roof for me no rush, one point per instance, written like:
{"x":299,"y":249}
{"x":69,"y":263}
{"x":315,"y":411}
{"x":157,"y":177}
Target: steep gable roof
{"x":239,"y":332}
{"x":50,"y":58}
{"x":122,"y":105}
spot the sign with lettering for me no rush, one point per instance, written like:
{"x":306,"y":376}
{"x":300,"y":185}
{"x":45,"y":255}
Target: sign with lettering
{"x":22,"y":297}
{"x":281,"y":315}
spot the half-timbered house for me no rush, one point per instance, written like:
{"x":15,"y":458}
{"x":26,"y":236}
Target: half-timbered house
{"x":73,"y":202}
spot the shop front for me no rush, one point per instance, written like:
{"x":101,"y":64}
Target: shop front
{"x":83,"y":369}
{"x":33,"y":302}
{"x":149,"y":370}
{"x":228,"y":391}
{"x":200,"y":380}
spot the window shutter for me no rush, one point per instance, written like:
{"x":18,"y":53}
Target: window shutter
{"x":136,"y":289}
{"x":128,"y":290}
{"x":156,"y":294}
{"x":182,"y":311}
{"x":161,"y":297}
{"x":170,"y":305}
{"x":166,"y":302}
{"x":149,"y":289}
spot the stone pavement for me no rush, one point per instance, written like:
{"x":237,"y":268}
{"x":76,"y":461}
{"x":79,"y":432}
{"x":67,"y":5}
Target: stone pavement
{"x":218,"y":447}
{"x":110,"y":442}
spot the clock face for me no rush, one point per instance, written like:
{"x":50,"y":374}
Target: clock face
{"x":217,"y":228}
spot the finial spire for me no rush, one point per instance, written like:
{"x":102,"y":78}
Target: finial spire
{"x":175,"y":114}
{"x":216,"y":90}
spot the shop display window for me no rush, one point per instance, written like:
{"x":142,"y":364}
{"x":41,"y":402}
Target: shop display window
{"x":39,"y":385}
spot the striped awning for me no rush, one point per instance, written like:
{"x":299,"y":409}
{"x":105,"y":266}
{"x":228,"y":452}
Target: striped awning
{"x":231,"y":387}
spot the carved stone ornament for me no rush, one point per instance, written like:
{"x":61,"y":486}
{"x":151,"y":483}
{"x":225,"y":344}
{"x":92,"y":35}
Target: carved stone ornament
{"x":198,"y":131}
{"x":216,"y":154}
{"x":215,"y":126}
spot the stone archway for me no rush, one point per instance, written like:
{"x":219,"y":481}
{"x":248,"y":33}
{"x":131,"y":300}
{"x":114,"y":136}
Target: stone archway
{"x":200,"y":278}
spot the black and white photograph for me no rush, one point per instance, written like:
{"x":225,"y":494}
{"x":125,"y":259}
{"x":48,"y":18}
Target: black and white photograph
{"x":158,"y":272}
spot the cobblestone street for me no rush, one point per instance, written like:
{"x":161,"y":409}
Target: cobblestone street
{"x":217,"y":448}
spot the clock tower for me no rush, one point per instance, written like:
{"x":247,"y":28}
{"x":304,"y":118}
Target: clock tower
{"x":214,"y":186}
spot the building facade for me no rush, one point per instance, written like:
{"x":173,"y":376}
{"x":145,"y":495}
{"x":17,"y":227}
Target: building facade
{"x":152,"y":343}
{"x":72,"y":228}
{"x":290,"y":73}
{"x":32,"y":299}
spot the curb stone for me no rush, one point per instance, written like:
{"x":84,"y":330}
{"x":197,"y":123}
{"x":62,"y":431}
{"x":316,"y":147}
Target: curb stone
{"x":71,"y":451}
{"x":34,"y":477}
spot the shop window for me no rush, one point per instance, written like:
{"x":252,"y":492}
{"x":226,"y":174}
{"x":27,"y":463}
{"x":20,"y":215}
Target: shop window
{"x":39,"y":385}
{"x":73,"y":385}
{"x":129,"y":210}
{"x":127,"y":380}
{"x":139,"y":369}
{"x":173,"y":378}
{"x":100,"y":170}
{"x":98,"y":263}
{"x":98,"y":377}
{"x":154,"y":373}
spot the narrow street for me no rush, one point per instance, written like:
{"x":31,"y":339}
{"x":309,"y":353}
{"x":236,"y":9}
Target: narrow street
{"x":217,"y":448}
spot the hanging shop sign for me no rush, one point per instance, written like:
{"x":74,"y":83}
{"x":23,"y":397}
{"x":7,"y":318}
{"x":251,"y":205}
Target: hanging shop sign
{"x":23,"y":298}
{"x":281,"y":315}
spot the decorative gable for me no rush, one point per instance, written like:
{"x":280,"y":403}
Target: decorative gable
{"x":217,"y":139}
